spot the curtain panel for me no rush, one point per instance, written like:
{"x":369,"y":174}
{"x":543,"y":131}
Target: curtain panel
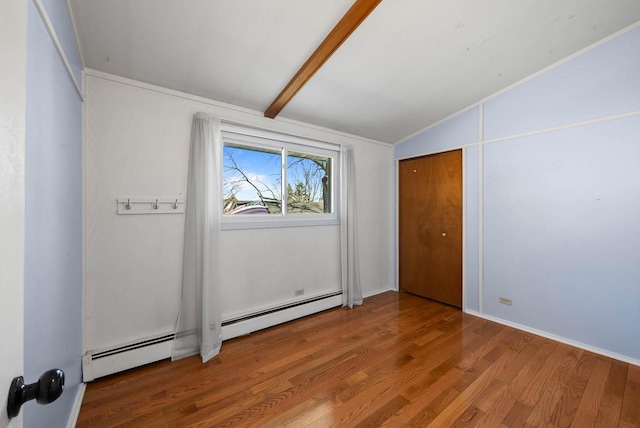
{"x":351,"y":288}
{"x":198,"y":328}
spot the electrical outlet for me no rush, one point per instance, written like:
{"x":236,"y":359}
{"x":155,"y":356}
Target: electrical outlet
{"x":300,"y":292}
{"x":505,"y":301}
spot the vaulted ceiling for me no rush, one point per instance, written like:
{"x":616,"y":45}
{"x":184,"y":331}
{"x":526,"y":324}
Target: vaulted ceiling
{"x":410,"y":64}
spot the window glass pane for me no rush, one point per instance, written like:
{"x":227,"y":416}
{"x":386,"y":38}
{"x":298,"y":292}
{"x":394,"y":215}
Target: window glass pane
{"x":308,"y":183}
{"x":252,"y":180}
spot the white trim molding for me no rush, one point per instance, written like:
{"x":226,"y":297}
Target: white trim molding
{"x":76,"y":33}
{"x":246,"y":117}
{"x":464,"y":227}
{"x":54,"y":38}
{"x":560,"y":339}
{"x":77,"y":404}
{"x":481,"y":210}
{"x":376,"y":292}
{"x":526,"y":79}
{"x":562,"y":127}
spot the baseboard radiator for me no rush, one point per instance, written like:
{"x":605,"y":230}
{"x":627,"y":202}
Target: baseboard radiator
{"x":103,"y":362}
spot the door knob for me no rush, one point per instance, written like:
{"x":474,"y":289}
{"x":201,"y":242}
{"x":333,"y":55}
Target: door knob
{"x":47,"y":389}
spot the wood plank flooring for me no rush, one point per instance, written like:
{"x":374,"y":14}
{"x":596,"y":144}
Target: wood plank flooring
{"x":398,"y":360}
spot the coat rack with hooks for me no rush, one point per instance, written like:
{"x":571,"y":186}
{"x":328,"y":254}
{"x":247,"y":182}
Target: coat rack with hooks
{"x":150,"y":206}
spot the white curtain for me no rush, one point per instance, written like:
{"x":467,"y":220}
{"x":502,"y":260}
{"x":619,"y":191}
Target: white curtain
{"x":351,"y":289}
{"x":198,"y":328}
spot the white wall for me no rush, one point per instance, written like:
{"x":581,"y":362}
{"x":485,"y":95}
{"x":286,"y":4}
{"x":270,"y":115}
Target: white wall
{"x":137,"y":142}
{"x":552,"y":199}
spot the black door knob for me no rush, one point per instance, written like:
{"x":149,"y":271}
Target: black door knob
{"x":47,"y":389}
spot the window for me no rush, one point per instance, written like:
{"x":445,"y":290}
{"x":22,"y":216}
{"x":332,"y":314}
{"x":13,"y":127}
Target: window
{"x":308,"y":183}
{"x":252,"y":178}
{"x":278,"y":181}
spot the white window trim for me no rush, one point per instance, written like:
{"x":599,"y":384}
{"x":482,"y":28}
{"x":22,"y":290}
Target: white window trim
{"x":273,"y":140}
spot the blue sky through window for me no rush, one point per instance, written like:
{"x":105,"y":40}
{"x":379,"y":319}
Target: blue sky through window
{"x":250,"y":173}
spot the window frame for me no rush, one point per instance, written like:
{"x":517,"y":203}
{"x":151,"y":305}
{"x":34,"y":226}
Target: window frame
{"x":262,"y":139}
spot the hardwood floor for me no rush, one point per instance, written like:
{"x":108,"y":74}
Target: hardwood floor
{"x":398,"y":360}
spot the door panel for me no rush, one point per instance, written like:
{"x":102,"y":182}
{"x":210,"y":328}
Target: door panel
{"x":13,"y":42}
{"x":430,"y":223}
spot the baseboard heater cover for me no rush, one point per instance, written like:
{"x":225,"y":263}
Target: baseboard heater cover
{"x":279,"y":308}
{"x":96,"y":364}
{"x":131,"y":347}
{"x":99,"y":363}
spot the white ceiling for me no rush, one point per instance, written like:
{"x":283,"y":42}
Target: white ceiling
{"x":410,"y":64}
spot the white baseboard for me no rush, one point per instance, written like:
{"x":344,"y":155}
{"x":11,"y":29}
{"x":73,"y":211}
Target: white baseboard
{"x":249,"y":326}
{"x":375,"y":292}
{"x":77,"y":404}
{"x":560,"y":339}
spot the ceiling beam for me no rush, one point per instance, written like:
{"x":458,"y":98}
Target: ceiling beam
{"x":341,"y":32}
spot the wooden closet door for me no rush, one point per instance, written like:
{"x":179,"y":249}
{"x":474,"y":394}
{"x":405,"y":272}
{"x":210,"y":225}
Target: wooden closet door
{"x":430,"y":223}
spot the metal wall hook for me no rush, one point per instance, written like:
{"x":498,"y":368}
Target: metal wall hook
{"x":137,"y":205}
